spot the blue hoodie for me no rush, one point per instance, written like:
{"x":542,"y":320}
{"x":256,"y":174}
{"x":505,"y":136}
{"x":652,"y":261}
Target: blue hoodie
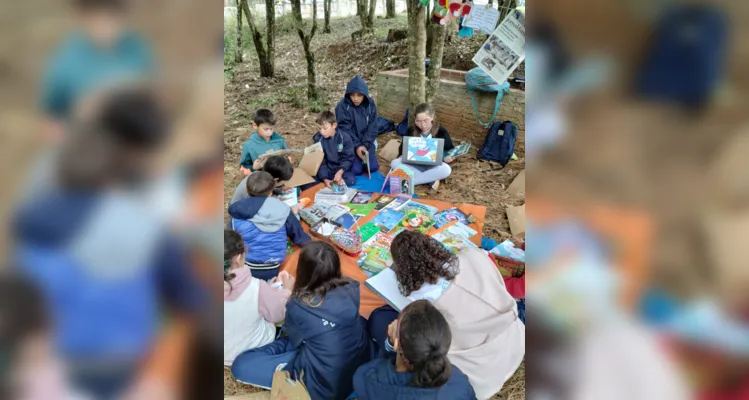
{"x":331,"y":340}
{"x":359,"y":121}
{"x":378,"y":379}
{"x":338,"y":149}
{"x":264,"y":223}
{"x":102,"y":261}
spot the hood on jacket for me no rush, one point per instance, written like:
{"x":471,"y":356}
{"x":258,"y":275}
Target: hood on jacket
{"x":357,"y":85}
{"x":267,"y":213}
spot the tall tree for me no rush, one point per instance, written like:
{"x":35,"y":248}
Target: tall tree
{"x":366,"y":12}
{"x":238,"y":52}
{"x":296,"y":10}
{"x":436,"y":51}
{"x":265,"y":51}
{"x":390,"y":8}
{"x":326,"y":8}
{"x":416,"y":54}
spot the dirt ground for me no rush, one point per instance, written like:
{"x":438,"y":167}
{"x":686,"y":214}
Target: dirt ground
{"x":338,"y":59}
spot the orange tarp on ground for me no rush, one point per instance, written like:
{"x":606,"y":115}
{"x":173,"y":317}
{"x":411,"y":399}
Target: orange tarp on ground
{"x":369,"y":300}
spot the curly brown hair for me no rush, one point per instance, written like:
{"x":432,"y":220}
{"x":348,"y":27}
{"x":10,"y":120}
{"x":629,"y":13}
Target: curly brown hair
{"x":420,"y":259}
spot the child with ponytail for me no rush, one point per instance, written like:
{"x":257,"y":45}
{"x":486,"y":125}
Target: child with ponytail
{"x":251,"y":306}
{"x":415,"y":364}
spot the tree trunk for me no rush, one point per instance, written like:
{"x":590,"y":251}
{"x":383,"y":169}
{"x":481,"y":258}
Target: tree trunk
{"x":266,"y":65}
{"x":363,"y":9}
{"x":390,"y":7}
{"x":326,"y":8}
{"x":436,"y":52}
{"x":416,"y":54}
{"x":270,"y":24}
{"x":238,"y":50}
{"x":371,"y":14}
{"x":306,"y":39}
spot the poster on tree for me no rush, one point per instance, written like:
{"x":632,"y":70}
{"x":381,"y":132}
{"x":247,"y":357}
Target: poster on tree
{"x":504,"y":50}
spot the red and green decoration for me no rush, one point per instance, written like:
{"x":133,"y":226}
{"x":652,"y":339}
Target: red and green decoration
{"x":446,"y":11}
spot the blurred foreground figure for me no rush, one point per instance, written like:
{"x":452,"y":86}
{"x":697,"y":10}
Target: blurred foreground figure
{"x":99,"y":248}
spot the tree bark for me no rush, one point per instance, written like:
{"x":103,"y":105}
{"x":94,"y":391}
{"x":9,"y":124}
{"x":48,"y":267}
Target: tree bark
{"x":365,"y":11}
{"x":436,"y":52}
{"x":416,"y":54}
{"x":306,"y":39}
{"x":326,"y":9}
{"x":238,"y":50}
{"x":270,"y":32}
{"x":390,"y":8}
{"x":266,"y":65}
{"x":371,"y":14}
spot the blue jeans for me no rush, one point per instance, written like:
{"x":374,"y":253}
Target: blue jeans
{"x":256,"y":367}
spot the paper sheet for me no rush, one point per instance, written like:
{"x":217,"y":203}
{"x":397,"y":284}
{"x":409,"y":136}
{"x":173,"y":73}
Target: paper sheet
{"x":503,"y":52}
{"x":483,"y":18}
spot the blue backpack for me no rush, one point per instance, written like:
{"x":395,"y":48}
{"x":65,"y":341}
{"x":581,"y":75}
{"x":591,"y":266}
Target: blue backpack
{"x":499,"y":143}
{"x":479,"y":81}
{"x":686,"y":56}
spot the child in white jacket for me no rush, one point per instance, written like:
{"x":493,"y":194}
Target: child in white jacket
{"x":251,"y":306}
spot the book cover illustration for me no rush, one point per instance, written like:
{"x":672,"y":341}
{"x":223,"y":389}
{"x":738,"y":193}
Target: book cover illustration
{"x":339,"y":187}
{"x":335,"y":211}
{"x":346,"y":220}
{"x":444,"y":217}
{"x":362,"y":198}
{"x":361,"y":210}
{"x":383,"y":201}
{"x":419,"y":207}
{"x":330,"y":196}
{"x":368,"y":231}
{"x":422,"y":149}
{"x":365,"y":161}
{"x":377,"y":259}
{"x":313,"y":214}
{"x":459,"y":150}
{"x":414,"y":221}
{"x":289,"y":196}
{"x":398,"y":203}
{"x":462,"y":229}
{"x":400,"y":185}
{"x":453,"y":240}
{"x":388,"y":219}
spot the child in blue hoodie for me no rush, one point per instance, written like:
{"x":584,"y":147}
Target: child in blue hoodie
{"x":356,"y":114}
{"x":326,"y":337}
{"x":262,"y":140}
{"x":264,"y":223}
{"x":338,"y":149}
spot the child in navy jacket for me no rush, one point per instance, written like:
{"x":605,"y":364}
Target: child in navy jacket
{"x":356,"y":114}
{"x":339,"y":151}
{"x":415,"y":364}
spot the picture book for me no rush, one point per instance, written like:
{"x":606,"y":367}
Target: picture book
{"x":414,"y":221}
{"x":385,"y":285}
{"x":346,"y":220}
{"x":330,"y":196}
{"x":462,"y":230}
{"x":399,"y":202}
{"x":367,"y":231}
{"x":362,"y":198}
{"x":456,"y":238}
{"x":361,"y":209}
{"x":314,"y":213}
{"x":459,"y":150}
{"x":365,"y":161}
{"x":289,"y":196}
{"x":336,"y":211}
{"x":444,"y":217}
{"x":383,"y":201}
{"x":339,"y":187}
{"x":381,"y":239}
{"x":420,"y":207}
{"x":400,"y":180}
{"x":421,"y":150}
{"x":388,"y":219}
{"x":377,"y":259}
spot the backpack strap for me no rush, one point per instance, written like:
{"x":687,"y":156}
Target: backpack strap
{"x":497,"y":103}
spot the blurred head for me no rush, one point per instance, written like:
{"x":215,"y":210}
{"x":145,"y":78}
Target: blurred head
{"x":420,"y":259}
{"x":263,"y":122}
{"x":423,"y":117}
{"x":422,"y":342}
{"x":326,"y":123}
{"x":318,"y":272}
{"x":356,"y":98}
{"x":233,"y":253}
{"x":103,"y":20}
{"x":260,"y":184}
{"x":280,"y":168}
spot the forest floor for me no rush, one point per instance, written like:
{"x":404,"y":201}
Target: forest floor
{"x":338,"y":59}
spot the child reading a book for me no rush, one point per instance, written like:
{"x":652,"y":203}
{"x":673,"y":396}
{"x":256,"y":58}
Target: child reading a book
{"x":279,"y":167}
{"x":356,"y":114}
{"x":424,"y":126}
{"x":327,"y":338}
{"x":264,"y":223}
{"x":488,"y":336}
{"x":414,"y":362}
{"x":262,"y":140}
{"x":338,"y":149}
{"x":251,"y":306}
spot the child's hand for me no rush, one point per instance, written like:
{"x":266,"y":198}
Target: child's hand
{"x":257,"y":164}
{"x":327,"y":182}
{"x":287,"y":280}
{"x":291,"y":160}
{"x":245,"y":171}
{"x":448,"y":160}
{"x":393,"y":334}
{"x":360,"y":151}
{"x":338,"y":176}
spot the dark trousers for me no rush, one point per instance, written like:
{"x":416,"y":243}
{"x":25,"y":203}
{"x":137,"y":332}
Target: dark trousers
{"x":358,"y":168}
{"x":378,"y":323}
{"x":325,"y":172}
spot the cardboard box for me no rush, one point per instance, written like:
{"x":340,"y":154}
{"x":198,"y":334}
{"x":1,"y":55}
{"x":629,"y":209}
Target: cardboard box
{"x":518,"y":184}
{"x":516,"y":217}
{"x":308,"y":167}
{"x":390,"y":150}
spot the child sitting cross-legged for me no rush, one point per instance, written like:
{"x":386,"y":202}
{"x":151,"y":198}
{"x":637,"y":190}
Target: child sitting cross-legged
{"x":425,"y":126}
{"x":338,"y":149}
{"x":264,"y":223}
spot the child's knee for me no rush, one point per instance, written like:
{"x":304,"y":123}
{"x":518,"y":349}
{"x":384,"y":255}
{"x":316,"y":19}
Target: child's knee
{"x":445,"y":170}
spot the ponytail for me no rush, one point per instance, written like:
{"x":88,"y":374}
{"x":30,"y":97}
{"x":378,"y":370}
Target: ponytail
{"x":233,"y":246}
{"x":425,"y":338}
{"x":435,"y":371}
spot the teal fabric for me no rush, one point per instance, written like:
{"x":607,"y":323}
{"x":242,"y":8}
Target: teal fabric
{"x":80,"y":66}
{"x":256,"y":146}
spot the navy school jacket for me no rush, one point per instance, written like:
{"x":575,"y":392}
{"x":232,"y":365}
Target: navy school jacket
{"x":378,"y":379}
{"x":359,"y":121}
{"x":339,"y":150}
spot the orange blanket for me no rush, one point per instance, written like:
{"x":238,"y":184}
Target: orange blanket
{"x":369,"y":300}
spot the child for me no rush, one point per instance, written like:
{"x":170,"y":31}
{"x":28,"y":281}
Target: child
{"x":424,"y":126}
{"x":264,"y":222}
{"x":356,"y":114}
{"x":327,"y":338}
{"x":262,"y":140}
{"x":338,"y":149}
{"x":420,"y":339}
{"x":279,"y":167}
{"x":251,"y":306}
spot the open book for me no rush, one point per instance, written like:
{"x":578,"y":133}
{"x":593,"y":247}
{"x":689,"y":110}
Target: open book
{"x":385,"y":285}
